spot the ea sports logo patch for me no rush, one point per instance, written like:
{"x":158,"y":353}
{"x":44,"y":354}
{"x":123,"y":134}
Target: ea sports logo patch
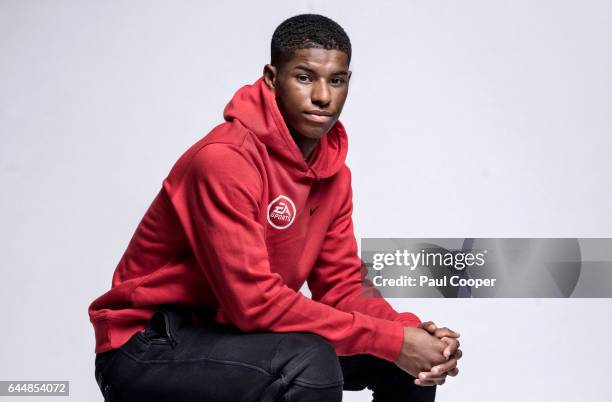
{"x":281,"y":212}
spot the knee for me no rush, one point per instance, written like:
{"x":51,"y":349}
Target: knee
{"x":309,"y":360}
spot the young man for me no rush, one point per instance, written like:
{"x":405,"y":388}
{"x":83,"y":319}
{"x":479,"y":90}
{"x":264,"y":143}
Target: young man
{"x":205,"y":302}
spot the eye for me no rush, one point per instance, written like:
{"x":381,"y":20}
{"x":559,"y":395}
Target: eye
{"x":303,"y":78}
{"x":337,"y":81}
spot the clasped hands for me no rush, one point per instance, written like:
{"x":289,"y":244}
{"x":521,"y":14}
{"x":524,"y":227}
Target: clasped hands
{"x":429,"y":353}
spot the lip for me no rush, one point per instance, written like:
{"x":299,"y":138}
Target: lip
{"x":318,"y":116}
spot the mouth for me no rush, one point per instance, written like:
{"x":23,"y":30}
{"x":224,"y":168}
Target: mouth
{"x":319,"y":116}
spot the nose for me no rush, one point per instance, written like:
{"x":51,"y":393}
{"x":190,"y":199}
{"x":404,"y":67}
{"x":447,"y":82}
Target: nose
{"x":320,"y":95}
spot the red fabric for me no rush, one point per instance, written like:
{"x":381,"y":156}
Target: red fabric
{"x":207,"y":240}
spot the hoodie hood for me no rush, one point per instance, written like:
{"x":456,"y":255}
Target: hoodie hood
{"x":255,"y":107}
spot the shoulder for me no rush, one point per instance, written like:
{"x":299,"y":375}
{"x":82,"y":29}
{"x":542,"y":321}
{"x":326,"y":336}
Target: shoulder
{"x":227,"y":140}
{"x":226,"y":152}
{"x":221,"y":160}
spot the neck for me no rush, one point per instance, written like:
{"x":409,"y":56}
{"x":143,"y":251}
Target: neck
{"x":305,"y":144}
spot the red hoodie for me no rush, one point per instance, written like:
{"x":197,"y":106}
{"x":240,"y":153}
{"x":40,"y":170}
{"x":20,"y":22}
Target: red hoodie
{"x":240,"y":223}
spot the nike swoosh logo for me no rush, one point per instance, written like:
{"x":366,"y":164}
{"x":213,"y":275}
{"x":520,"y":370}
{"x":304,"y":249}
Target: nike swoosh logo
{"x":312,"y":210}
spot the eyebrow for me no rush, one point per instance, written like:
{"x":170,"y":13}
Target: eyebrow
{"x":310,"y":70}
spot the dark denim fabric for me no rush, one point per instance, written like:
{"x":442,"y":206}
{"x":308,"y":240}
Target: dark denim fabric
{"x":174,"y":359}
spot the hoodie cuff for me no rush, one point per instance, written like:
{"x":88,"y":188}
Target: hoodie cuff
{"x":388,"y":339}
{"x":408,"y":319}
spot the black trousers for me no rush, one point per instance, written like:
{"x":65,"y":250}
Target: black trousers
{"x":176,"y":359}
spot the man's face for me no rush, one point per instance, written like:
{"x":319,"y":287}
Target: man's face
{"x":311,"y":89}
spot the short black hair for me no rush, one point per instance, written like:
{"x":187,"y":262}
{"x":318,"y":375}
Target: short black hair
{"x":307,"y":31}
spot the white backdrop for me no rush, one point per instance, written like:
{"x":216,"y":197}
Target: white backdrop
{"x":465,"y":119}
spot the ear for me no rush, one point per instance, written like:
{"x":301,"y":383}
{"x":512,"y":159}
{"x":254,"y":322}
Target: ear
{"x":270,"y":74}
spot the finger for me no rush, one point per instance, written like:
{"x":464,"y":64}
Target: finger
{"x":441,"y":332}
{"x":429,"y":376}
{"x":453,"y":372}
{"x":429,"y":383}
{"x":440,"y":381}
{"x":428,"y":326}
{"x":457,"y":355}
{"x":451,"y":349}
{"x":445,"y":367}
{"x":424,"y":383}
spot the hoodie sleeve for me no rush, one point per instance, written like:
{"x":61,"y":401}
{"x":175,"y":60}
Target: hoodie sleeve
{"x":218,"y":204}
{"x":339,"y":276}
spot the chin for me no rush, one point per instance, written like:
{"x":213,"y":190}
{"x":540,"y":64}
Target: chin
{"x":314,"y":132}
{"x":316,"y":136}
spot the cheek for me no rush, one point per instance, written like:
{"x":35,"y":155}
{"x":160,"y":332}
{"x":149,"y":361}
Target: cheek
{"x":340,"y":98}
{"x":299,"y":96}
{"x":296,"y":102}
